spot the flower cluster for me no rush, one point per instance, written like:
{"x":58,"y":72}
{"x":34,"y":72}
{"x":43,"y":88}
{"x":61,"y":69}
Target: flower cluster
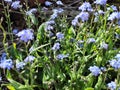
{"x":114,"y":15}
{"x":86,"y":6}
{"x":28,"y":59}
{"x":49,"y":25}
{"x":55,"y":13}
{"x":84,"y":16}
{"x":5,"y":63}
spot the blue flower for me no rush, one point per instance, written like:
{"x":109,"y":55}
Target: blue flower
{"x":94,"y":70}
{"x":29,"y":58}
{"x":31,"y":11}
{"x":59,"y":10}
{"x":56,"y":46}
{"x":55,"y":13}
{"x":100,"y":2}
{"x":50,"y":22}
{"x":61,"y":56}
{"x":20,"y":65}
{"x":101,"y":12}
{"x":74,"y":22}
{"x":59,"y":35}
{"x":59,"y":2}
{"x":80,"y":43}
{"x":103,"y":69}
{"x":16,"y":5}
{"x":3,"y":57}
{"x":15,"y":31}
{"x":112,"y":85}
{"x":117,"y":56}
{"x":114,"y":7}
{"x":114,"y":15}
{"x":86,"y":6}
{"x":91,"y":40}
{"x":104,"y":45}
{"x":83,"y":16}
{"x":6,"y":64}
{"x":115,"y":63}
{"x":53,"y":16}
{"x":49,"y":27}
{"x":47,"y":3}
{"x":25,"y":35}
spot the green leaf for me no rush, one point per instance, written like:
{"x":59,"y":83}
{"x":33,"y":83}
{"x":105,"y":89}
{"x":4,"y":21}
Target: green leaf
{"x":33,"y":19}
{"x":71,"y":32}
{"x":90,"y":80}
{"x":89,"y":88}
{"x":15,"y":84}
{"x":99,"y":84}
{"x":10,"y":87}
{"x":41,"y":32}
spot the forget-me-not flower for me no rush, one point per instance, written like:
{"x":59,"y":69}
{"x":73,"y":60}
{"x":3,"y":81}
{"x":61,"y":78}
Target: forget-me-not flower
{"x":29,"y":58}
{"x":16,"y":5}
{"x":112,"y":85}
{"x":25,"y":35}
{"x":31,"y":11}
{"x":95,"y":70}
{"x":100,"y":2}
{"x":104,"y":45}
{"x":86,"y":6}
{"x":6,"y":64}
{"x":115,"y":63}
{"x":49,"y":25}
{"x":59,"y":2}
{"x":74,"y":22}
{"x":91,"y":40}
{"x":15,"y":31}
{"x":20,"y":65}
{"x":56,"y":46}
{"x":59,"y":35}
{"x":61,"y":56}
{"x":84,"y":16}
{"x":114,"y":15}
{"x":48,"y":3}
{"x":117,"y":56}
